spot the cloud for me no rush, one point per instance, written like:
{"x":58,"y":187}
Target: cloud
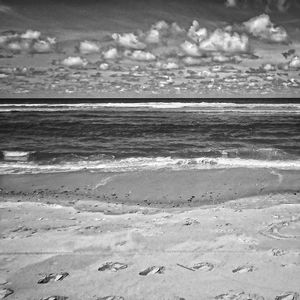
{"x":128,"y":40}
{"x":221,"y":40}
{"x":262,"y":27}
{"x":111,"y":54}
{"x":15,"y":46}
{"x":31,"y":35}
{"x":196,"y":33}
{"x":140,"y":55}
{"x":74,"y":61}
{"x":153,"y":36}
{"x":42,"y":46}
{"x":88,"y":47}
{"x":294,"y":64}
{"x":190,"y":49}
{"x":192,"y":61}
{"x":231,"y":3}
{"x":221,"y":58}
{"x":104,"y":66}
{"x":5,"y":9}
{"x":29,"y":41}
{"x":162,"y":32}
{"x":167,"y":65}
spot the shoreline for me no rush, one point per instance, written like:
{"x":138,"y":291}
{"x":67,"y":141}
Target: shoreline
{"x":160,"y":188}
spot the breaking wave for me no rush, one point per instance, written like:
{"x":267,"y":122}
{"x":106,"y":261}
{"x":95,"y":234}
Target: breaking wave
{"x":197,"y":106}
{"x":143,"y":163}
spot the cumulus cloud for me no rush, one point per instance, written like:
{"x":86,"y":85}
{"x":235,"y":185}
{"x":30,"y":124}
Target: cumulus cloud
{"x":262,"y":27}
{"x":192,"y":61}
{"x":88,"y":47}
{"x":153,"y":36}
{"x":231,"y":3}
{"x":104,"y":66}
{"x":221,"y":40}
{"x":294,"y":64}
{"x":111,"y":54}
{"x":161,"y":32}
{"x":196,"y":33}
{"x":15,"y":46}
{"x":42,"y":46}
{"x":74,"y":61}
{"x":128,"y":40}
{"x":28,"y":41}
{"x":31,"y":35}
{"x":190,"y":49}
{"x":5,"y":9}
{"x":167,"y":65}
{"x":140,"y":55}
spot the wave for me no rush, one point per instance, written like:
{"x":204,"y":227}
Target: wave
{"x":16,"y":155}
{"x":208,"y":106}
{"x":145,"y":163}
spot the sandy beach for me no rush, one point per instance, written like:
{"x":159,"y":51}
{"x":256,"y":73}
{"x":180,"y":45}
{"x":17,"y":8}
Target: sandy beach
{"x":211,"y":234}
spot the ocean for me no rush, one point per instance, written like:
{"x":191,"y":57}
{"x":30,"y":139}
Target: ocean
{"x":129,"y":136}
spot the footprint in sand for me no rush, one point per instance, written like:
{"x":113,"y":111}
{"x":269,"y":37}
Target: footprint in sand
{"x":288,"y":296}
{"x":55,"y":298}
{"x":152,"y":270}
{"x":5,"y":293}
{"x":231,"y":295}
{"x":111,"y":298}
{"x":203,"y":266}
{"x":243,"y":269}
{"x":53,"y":277}
{"x":278,"y":252}
{"x":273,"y":230}
{"x":112,"y":266}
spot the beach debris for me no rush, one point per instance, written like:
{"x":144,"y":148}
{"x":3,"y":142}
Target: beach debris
{"x":288,"y":296}
{"x":243,"y":269}
{"x":278,"y":252}
{"x":111,"y":298}
{"x":185,"y":267}
{"x":231,"y":295}
{"x":152,"y":270}
{"x":55,"y":298}
{"x":53,"y":277}
{"x":112,"y":266}
{"x":5,"y":292}
{"x":203,"y":266}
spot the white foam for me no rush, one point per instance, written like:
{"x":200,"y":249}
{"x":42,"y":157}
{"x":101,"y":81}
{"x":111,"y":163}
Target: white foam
{"x":143,"y":163}
{"x":16,"y":155}
{"x":207,"y":106}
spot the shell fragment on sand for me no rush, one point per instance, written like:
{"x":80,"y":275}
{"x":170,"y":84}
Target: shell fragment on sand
{"x":112,"y":266}
{"x":152,"y":270}
{"x":5,"y":292}
{"x":53,"y":277}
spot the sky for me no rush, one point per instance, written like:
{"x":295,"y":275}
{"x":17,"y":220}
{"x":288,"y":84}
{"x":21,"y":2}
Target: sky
{"x":149,"y":48}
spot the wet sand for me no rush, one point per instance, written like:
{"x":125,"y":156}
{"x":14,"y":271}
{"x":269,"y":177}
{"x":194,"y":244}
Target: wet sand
{"x":242,"y":236}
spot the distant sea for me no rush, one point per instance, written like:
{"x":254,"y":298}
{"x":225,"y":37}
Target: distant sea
{"x":115,"y":137}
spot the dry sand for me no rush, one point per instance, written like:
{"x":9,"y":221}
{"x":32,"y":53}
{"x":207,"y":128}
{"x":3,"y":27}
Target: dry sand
{"x":246,"y":228}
